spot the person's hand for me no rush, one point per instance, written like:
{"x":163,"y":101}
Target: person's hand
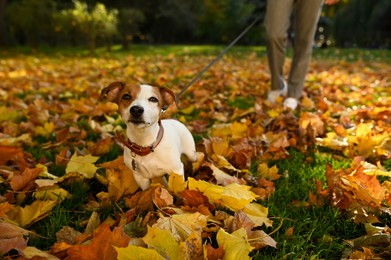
{"x":331,"y":2}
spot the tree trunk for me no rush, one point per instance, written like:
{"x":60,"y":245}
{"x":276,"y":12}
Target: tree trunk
{"x":3,"y":23}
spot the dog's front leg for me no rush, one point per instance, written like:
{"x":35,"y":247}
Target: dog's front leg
{"x":142,"y":181}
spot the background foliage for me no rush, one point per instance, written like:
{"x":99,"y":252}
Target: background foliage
{"x":350,"y":23}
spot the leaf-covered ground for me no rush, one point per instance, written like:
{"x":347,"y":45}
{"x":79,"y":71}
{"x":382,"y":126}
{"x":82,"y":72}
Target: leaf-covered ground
{"x":65,"y":192}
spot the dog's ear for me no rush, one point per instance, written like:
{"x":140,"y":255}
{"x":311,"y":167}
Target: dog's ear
{"x":111,"y":92}
{"x":168,"y":97}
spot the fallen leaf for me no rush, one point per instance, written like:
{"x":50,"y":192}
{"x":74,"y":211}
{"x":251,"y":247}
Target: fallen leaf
{"x":101,"y":246}
{"x":132,"y":252}
{"x":29,"y":214}
{"x":236,"y":245}
{"x":182,"y":225}
{"x":54,"y":193}
{"x":33,"y":253}
{"x":12,"y":237}
{"x":25,"y":180}
{"x":164,"y":243}
{"x":83,"y":165}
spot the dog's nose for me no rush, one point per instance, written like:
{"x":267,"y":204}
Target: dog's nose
{"x":136,"y":111}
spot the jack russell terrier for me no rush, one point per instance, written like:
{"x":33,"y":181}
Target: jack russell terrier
{"x":153,"y":147}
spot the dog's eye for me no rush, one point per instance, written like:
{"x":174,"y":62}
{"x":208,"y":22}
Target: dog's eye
{"x":126,"y":97}
{"x":153,"y":99}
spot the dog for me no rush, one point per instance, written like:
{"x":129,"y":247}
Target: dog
{"x":153,"y":147}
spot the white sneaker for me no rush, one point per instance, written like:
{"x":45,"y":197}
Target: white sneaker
{"x":291,"y":103}
{"x":274,"y":94}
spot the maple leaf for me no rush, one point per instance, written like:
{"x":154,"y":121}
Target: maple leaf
{"x":4,"y":208}
{"x":258,"y":238}
{"x":120,"y":180}
{"x":45,"y":130}
{"x":182,"y":225}
{"x":31,"y":213}
{"x":176,"y":184}
{"x":12,"y":237}
{"x":68,"y":235}
{"x":33,"y":253}
{"x":310,"y":120}
{"x":25,"y":180}
{"x":52,"y":193}
{"x":11,"y":154}
{"x":233,"y":196}
{"x":269,"y":173}
{"x":102,"y":244}
{"x":137,"y":252}
{"x":236,"y":245}
{"x":376,"y":240}
{"x":213,"y":253}
{"x":164,"y":243}
{"x":258,"y":214}
{"x":83,"y":165}
{"x":196,"y":199}
{"x":222,"y":177}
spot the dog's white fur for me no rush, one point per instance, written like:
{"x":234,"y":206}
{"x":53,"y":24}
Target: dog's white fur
{"x":143,"y":130}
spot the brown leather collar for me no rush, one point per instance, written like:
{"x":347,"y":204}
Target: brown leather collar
{"x":138,"y":149}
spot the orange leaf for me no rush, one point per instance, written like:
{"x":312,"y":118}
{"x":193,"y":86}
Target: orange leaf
{"x":101,"y":246}
{"x":12,"y":154}
{"x":25,"y":181}
{"x":4,"y":208}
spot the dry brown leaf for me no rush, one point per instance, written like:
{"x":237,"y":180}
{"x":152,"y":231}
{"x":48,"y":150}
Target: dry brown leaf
{"x":101,"y":246}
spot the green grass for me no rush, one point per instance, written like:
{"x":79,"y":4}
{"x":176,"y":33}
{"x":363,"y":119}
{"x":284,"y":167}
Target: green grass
{"x":348,"y":55}
{"x":319,"y":231}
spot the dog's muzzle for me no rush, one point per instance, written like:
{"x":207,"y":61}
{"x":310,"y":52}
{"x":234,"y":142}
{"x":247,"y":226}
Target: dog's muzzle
{"x":136,"y":111}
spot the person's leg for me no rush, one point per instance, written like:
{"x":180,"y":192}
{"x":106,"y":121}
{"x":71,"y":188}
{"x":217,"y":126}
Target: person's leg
{"x":277,"y":21}
{"x":306,"y":16}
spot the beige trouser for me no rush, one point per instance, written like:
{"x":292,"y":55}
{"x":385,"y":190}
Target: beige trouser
{"x":277,"y":21}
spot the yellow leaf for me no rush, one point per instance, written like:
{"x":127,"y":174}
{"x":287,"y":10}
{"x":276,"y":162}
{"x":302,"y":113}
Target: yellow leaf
{"x":312,"y":120}
{"x":164,"y":243}
{"x":33,"y":252}
{"x":233,"y":196}
{"x":239,"y":130}
{"x":235,"y":245}
{"x":221,"y":146}
{"x":52,"y":193}
{"x":132,"y":252}
{"x":213,"y":192}
{"x":236,"y":196}
{"x":31,"y":213}
{"x":83,"y":165}
{"x":269,"y":173}
{"x":176,"y":184}
{"x":258,"y":214}
{"x":45,"y":130}
{"x":192,"y":246}
{"x":222,"y":177}
{"x":182,"y":225}
{"x":7,"y":114}
{"x":45,"y":173}
{"x":188,"y":110}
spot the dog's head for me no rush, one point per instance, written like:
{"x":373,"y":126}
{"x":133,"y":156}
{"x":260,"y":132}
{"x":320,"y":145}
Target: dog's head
{"x":139,"y":105}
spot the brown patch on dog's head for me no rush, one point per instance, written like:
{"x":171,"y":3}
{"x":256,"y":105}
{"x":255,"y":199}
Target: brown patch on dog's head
{"x":112,"y":91}
{"x":168,"y":97}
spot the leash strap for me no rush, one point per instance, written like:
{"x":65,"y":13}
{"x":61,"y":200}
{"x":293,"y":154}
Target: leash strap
{"x":218,"y":57}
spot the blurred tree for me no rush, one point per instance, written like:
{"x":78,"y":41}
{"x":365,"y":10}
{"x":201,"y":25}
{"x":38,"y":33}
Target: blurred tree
{"x":170,"y":20}
{"x":363,"y":23}
{"x":129,"y":21}
{"x":99,"y":22}
{"x":31,"y":20}
{"x":222,"y":20}
{"x":3,"y":27}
